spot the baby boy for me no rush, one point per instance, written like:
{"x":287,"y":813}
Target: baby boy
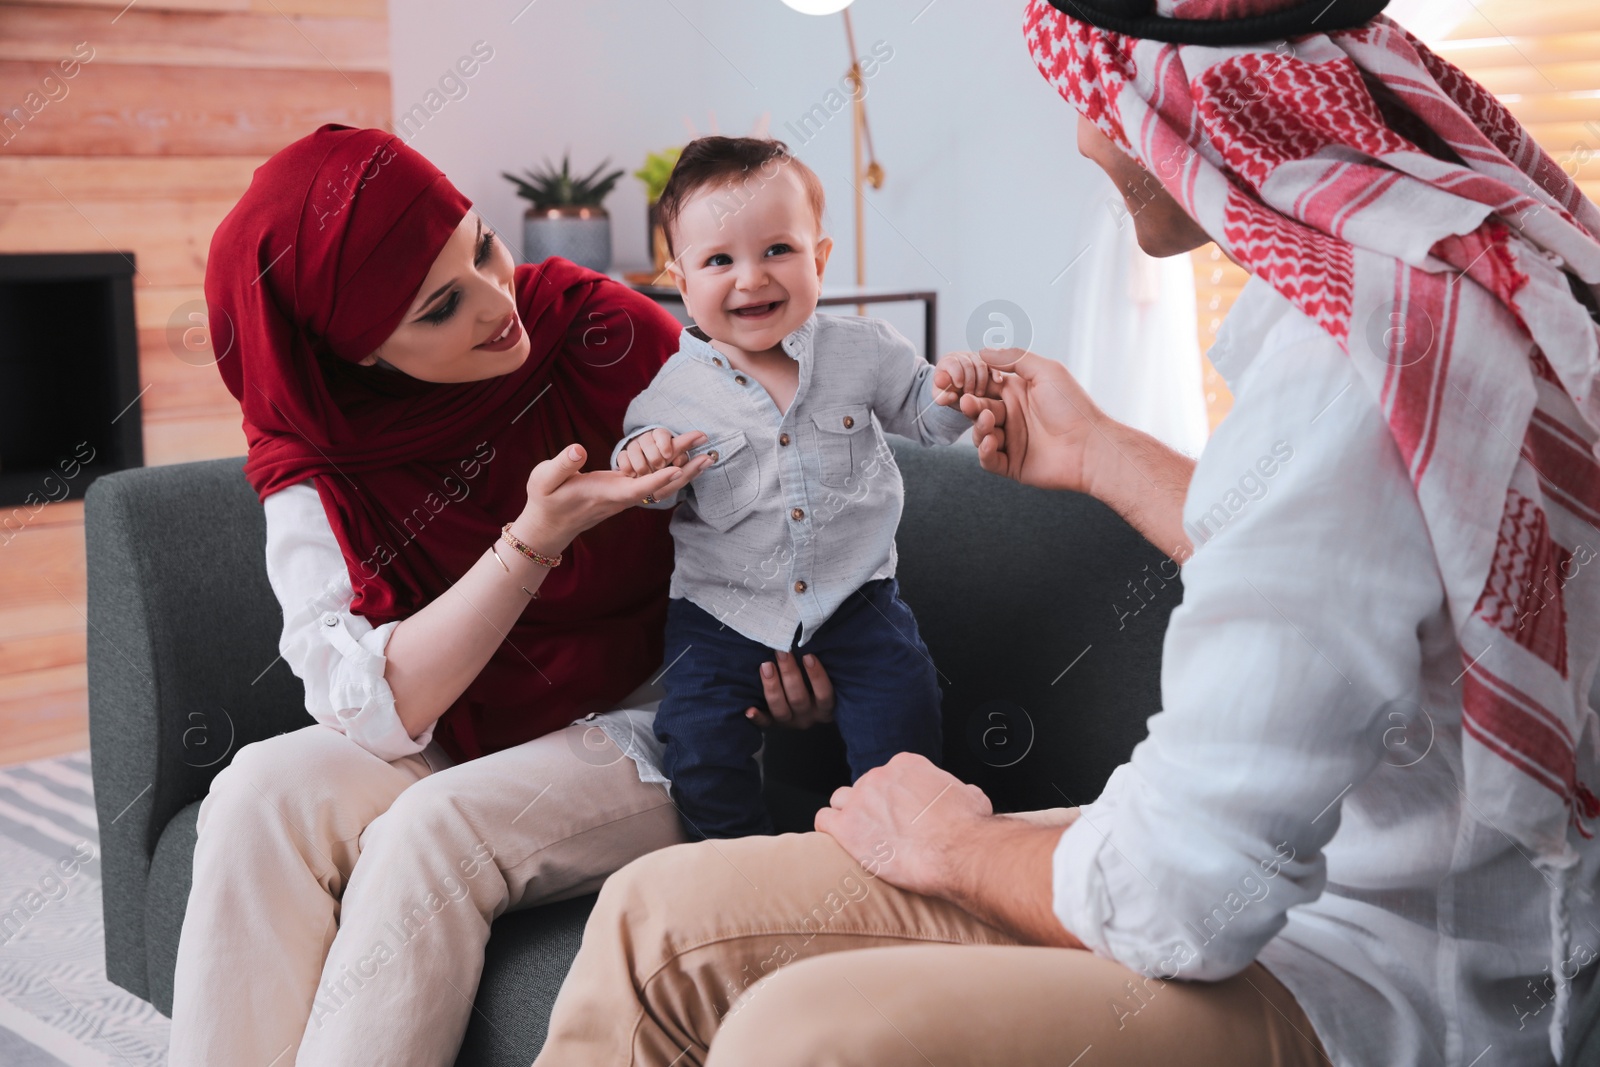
{"x":786,"y":540}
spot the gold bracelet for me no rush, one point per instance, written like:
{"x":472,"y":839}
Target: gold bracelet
{"x":538,"y":557}
{"x":496,"y":553}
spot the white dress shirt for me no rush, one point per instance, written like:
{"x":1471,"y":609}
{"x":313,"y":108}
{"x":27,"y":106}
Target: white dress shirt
{"x":339,"y":655}
{"x":1299,"y":797}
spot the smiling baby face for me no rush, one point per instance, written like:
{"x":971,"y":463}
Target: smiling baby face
{"x":750,"y":254}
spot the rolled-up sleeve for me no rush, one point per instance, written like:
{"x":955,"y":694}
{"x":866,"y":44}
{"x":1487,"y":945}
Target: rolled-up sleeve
{"x":339,"y":655}
{"x":1299,"y":624}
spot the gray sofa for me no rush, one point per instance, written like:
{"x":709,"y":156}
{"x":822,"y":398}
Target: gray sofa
{"x":1043,"y":611}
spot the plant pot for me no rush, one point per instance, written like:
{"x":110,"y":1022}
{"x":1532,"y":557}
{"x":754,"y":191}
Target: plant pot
{"x":581,"y":234}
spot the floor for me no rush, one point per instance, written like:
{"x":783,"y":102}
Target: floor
{"x":56,"y":1007}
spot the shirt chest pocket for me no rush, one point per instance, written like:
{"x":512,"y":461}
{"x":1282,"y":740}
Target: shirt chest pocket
{"x":842,"y":443}
{"x":724,"y":491}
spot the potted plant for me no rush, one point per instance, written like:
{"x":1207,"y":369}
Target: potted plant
{"x":566,"y":216}
{"x":657,"y":168}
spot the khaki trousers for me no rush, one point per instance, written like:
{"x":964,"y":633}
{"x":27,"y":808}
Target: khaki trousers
{"x":783,"y":951}
{"x":341,"y":903}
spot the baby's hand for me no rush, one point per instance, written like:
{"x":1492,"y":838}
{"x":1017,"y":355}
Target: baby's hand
{"x":957,"y":373}
{"x":656,"y":449}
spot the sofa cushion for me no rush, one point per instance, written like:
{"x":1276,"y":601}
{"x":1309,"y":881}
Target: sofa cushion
{"x":528,"y":956}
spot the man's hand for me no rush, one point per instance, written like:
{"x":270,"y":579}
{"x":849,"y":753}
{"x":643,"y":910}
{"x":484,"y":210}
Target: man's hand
{"x":959,"y":373}
{"x":1035,"y":424}
{"x":924,"y":830}
{"x":913,"y":808}
{"x":1038,"y":426}
{"x":656,"y":450}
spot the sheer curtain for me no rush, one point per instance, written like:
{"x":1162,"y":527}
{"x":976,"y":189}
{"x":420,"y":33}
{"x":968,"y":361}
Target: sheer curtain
{"x":1131,"y":333}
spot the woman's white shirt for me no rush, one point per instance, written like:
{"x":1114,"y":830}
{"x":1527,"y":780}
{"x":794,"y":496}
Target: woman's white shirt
{"x":1300,"y":798}
{"x":339,"y":655}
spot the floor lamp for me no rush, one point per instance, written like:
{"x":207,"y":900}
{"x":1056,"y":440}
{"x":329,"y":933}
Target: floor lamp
{"x":860,"y":139}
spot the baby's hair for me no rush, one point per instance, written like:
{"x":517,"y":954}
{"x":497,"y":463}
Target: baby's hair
{"x":718,"y":160}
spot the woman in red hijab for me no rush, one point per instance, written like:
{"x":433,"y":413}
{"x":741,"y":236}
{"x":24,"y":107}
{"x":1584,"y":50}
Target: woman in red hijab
{"x":458,"y":590}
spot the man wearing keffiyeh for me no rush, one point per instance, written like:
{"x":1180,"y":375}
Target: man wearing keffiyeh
{"x":1274,"y":877}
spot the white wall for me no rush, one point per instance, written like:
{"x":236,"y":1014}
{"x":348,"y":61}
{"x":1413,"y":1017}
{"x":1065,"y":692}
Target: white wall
{"x":986,"y":196}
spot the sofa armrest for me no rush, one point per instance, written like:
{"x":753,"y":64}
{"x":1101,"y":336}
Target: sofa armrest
{"x":182,"y":643}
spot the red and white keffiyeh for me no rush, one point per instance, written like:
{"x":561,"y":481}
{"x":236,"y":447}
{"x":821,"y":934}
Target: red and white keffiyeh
{"x":1444,"y":283}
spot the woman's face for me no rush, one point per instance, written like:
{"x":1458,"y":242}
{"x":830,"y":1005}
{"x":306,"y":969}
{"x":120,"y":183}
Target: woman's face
{"x":1159,"y":221}
{"x":462,"y":325}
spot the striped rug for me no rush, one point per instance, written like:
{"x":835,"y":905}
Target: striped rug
{"x":56,"y":1006}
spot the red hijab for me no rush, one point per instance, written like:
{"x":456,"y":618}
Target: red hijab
{"x":316,"y":267}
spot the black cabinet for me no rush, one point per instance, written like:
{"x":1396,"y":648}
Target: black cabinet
{"x":69,"y":377}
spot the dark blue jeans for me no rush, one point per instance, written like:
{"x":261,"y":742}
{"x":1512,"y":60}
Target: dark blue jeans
{"x":886,"y":701}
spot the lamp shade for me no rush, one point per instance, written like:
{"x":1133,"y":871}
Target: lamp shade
{"x":818,"y":7}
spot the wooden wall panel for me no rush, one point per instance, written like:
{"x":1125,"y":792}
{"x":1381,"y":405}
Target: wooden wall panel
{"x":43,"y":651}
{"x":44,"y":560}
{"x":169,"y":238}
{"x":148,"y":37}
{"x":207,"y":435}
{"x":175,"y":379}
{"x":182,"y":111}
{"x":125,"y":178}
{"x":374,"y":10}
{"x":113,"y":9}
{"x":43,"y":617}
{"x":44,"y":713}
{"x":150,"y":145}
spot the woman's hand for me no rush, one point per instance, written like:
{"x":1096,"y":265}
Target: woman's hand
{"x":1034,"y":423}
{"x":791,"y":705}
{"x":564,"y":501}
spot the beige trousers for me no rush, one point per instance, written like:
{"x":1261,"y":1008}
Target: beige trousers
{"x":341,"y":903}
{"x":783,"y":951}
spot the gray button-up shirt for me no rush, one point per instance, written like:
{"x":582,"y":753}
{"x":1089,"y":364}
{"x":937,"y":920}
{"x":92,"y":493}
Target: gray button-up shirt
{"x":800,"y":507}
